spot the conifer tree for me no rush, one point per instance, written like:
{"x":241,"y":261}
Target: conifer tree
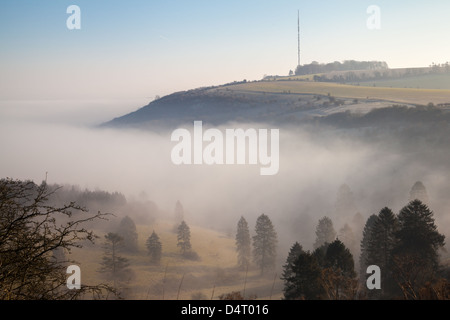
{"x":264,"y":243}
{"x":366,"y":238}
{"x":338,"y":276}
{"x":417,"y":233}
{"x":112,"y":263}
{"x":325,"y":232}
{"x":304,"y":281}
{"x":380,"y":247}
{"x":127,"y":230}
{"x":154,"y":248}
{"x":243,"y":243}
{"x":415,"y":255}
{"x":184,"y":238}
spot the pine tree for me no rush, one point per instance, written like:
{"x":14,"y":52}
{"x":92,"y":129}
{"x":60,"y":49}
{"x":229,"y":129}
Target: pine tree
{"x":380,"y":247}
{"x":325,"y":232}
{"x":366,"y":238}
{"x":243,"y":243}
{"x":184,"y":238}
{"x":112,"y":264}
{"x":339,"y":257}
{"x":339,"y":273}
{"x":419,"y":192}
{"x":154,"y":248}
{"x":416,"y":251}
{"x":288,"y":273}
{"x":127,"y":230}
{"x":305,"y":278}
{"x":264,"y":243}
{"x":294,"y":253}
{"x":417,"y":232}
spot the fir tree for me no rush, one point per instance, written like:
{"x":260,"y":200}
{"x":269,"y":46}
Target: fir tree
{"x":419,"y":192}
{"x":112,"y":264}
{"x":380,"y":247}
{"x":325,"y":232}
{"x":184,"y":238}
{"x":154,"y":248}
{"x":243,"y":243}
{"x":305,"y":278}
{"x":415,"y":255}
{"x":366,"y":238}
{"x":338,"y":276}
{"x":294,"y":253}
{"x":127,"y":230}
{"x":264,"y":243}
{"x":417,"y":233}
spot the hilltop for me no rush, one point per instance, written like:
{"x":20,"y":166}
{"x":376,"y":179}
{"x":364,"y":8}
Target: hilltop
{"x":292,"y":99}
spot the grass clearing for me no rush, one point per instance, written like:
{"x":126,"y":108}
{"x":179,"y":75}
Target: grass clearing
{"x":400,"y":95}
{"x":214,"y":274}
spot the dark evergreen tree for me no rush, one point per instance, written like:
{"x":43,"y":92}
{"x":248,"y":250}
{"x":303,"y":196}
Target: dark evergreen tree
{"x":294,"y":253}
{"x":154,"y":248}
{"x":417,"y":232}
{"x":339,"y":277}
{"x":338,"y":257}
{"x":184,"y":238}
{"x":264,"y":243}
{"x":320,"y":254}
{"x":325,"y":232}
{"x":243,"y":243}
{"x":380,"y":248}
{"x":416,"y":251}
{"x":304,"y":281}
{"x":366,"y":239}
{"x":127,"y":230}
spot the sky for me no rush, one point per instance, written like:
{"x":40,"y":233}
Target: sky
{"x":139,"y":49}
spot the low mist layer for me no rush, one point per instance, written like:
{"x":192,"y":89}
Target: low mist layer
{"x":314,"y":163}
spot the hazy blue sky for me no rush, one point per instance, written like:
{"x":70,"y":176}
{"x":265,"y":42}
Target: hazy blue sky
{"x":139,"y":49}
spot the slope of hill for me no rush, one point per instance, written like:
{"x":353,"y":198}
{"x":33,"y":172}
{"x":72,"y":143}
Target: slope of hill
{"x":273,"y":102}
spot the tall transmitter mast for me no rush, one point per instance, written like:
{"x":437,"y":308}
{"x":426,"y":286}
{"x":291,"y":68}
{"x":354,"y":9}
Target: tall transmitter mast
{"x":298,"y":27}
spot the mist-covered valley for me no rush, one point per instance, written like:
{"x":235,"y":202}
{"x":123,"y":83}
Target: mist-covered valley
{"x":346,"y":166}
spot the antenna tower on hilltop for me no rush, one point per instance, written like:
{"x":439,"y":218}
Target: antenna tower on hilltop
{"x":298,"y":27}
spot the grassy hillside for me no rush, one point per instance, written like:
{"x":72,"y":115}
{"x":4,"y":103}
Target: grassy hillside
{"x":214,"y":274}
{"x":401,"y":95}
{"x":425,"y":81}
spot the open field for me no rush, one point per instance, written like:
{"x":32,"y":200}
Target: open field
{"x":214,"y":274}
{"x":425,"y":81}
{"x":400,"y":95}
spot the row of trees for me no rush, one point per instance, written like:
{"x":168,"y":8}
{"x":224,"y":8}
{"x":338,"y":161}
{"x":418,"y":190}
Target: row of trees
{"x":347,"y":65}
{"x":264,"y":244}
{"x":115,"y":267}
{"x":405,"y":247}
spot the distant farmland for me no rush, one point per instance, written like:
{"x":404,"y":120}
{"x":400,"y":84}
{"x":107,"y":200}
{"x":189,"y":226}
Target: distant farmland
{"x":400,"y":95}
{"x":424,"y":81}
